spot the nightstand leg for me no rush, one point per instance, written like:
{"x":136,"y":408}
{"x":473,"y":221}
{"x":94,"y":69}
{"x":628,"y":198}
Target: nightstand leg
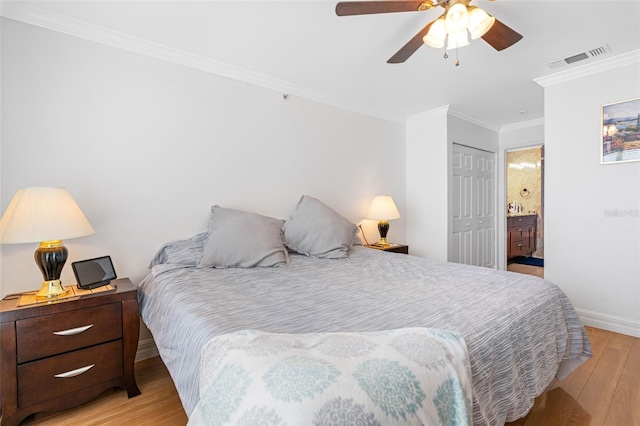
{"x":131,"y":331}
{"x":8,"y":382}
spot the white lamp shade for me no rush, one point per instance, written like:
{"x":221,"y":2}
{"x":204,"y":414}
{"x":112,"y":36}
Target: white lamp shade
{"x":436,"y":35}
{"x":38,"y":214}
{"x":479,"y":22}
{"x":457,"y":18}
{"x":457,"y":40}
{"x":383,"y":208}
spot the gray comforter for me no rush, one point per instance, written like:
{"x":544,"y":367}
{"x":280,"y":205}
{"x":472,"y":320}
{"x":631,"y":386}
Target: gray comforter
{"x":521,"y":331}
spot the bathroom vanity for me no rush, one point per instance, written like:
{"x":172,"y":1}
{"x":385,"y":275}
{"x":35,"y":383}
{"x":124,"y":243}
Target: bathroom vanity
{"x":521,"y":234}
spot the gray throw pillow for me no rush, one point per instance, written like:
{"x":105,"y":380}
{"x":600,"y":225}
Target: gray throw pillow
{"x":243,"y":240}
{"x":314,"y":229}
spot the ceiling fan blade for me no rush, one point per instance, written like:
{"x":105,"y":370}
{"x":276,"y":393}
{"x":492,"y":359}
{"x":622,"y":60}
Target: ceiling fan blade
{"x":501,"y":36}
{"x":346,"y":8}
{"x":410,"y":48}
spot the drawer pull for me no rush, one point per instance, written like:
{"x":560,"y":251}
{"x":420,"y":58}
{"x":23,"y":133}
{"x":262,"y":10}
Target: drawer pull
{"x":76,"y":372}
{"x":72,"y":331}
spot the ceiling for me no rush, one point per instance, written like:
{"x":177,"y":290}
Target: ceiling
{"x":302,"y":47}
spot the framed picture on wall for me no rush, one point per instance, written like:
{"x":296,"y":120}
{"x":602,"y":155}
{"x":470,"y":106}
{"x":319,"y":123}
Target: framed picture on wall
{"x":620,"y":126}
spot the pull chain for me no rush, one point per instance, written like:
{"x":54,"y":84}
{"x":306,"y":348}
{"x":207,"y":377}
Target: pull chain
{"x":446,"y":55}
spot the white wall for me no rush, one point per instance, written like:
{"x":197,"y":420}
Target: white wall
{"x":429,"y":141}
{"x":528,"y":133}
{"x":146,"y":147}
{"x":427,"y":193}
{"x":593,"y":256}
{"x":464,"y":132}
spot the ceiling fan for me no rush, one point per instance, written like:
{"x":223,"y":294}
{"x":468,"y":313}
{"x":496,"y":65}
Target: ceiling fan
{"x":452,"y":26}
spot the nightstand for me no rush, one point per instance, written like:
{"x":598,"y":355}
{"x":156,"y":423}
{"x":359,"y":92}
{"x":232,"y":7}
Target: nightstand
{"x":60,"y":354}
{"x":394,"y":248}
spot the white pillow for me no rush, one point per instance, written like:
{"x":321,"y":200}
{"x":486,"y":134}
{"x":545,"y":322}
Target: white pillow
{"x":314,"y":229}
{"x":243,"y":240}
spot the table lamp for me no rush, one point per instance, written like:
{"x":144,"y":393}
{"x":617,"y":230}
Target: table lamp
{"x":46,"y":215}
{"x":383,"y":209}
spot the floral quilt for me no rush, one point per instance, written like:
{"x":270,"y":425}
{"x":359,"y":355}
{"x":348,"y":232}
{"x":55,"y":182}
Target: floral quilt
{"x":406,"y":376}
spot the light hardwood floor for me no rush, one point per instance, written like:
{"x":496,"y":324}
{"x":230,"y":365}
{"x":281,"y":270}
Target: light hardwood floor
{"x":537,"y":271}
{"x":604,"y":391}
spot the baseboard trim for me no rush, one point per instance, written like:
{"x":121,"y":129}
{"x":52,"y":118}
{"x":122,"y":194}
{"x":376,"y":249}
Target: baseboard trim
{"x":610,"y":322}
{"x":146,"y":349}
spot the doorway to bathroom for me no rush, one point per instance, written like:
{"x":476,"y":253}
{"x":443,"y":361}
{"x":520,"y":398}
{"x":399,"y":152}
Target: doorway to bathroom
{"x":525,"y":210}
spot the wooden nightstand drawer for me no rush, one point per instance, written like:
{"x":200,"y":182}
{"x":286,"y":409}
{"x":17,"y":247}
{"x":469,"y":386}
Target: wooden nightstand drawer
{"x":59,"y":333}
{"x":95,"y":345}
{"x":37,"y":380}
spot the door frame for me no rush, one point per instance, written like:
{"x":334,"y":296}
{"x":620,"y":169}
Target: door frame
{"x":501,"y":211}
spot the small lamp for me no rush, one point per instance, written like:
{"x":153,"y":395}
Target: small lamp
{"x":383,"y":209}
{"x":45,"y":215}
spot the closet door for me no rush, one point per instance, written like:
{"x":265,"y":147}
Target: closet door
{"x":473,"y":207}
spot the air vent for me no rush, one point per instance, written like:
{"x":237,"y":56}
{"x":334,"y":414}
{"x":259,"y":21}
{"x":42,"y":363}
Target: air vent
{"x":597,"y":51}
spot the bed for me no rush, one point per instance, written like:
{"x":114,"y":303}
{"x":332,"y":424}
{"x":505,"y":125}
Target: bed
{"x":517,"y":332}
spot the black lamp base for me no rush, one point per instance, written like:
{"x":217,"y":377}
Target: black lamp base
{"x":50,"y":258}
{"x":383,"y":228}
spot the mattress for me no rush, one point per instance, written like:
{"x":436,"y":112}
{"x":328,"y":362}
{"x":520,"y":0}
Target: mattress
{"x":520,"y":331}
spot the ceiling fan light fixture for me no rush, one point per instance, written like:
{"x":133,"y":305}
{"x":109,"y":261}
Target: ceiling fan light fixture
{"x":457,"y":18}
{"x":436,"y":35}
{"x":458,"y":39}
{"x":479,"y":22}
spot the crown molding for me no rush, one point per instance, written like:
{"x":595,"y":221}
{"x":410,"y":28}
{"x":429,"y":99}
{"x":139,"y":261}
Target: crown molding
{"x":471,"y":119}
{"x":590,"y":69}
{"x":522,"y":125}
{"x":33,"y":15}
{"x":426,"y":114}
{"x":448,"y":110}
